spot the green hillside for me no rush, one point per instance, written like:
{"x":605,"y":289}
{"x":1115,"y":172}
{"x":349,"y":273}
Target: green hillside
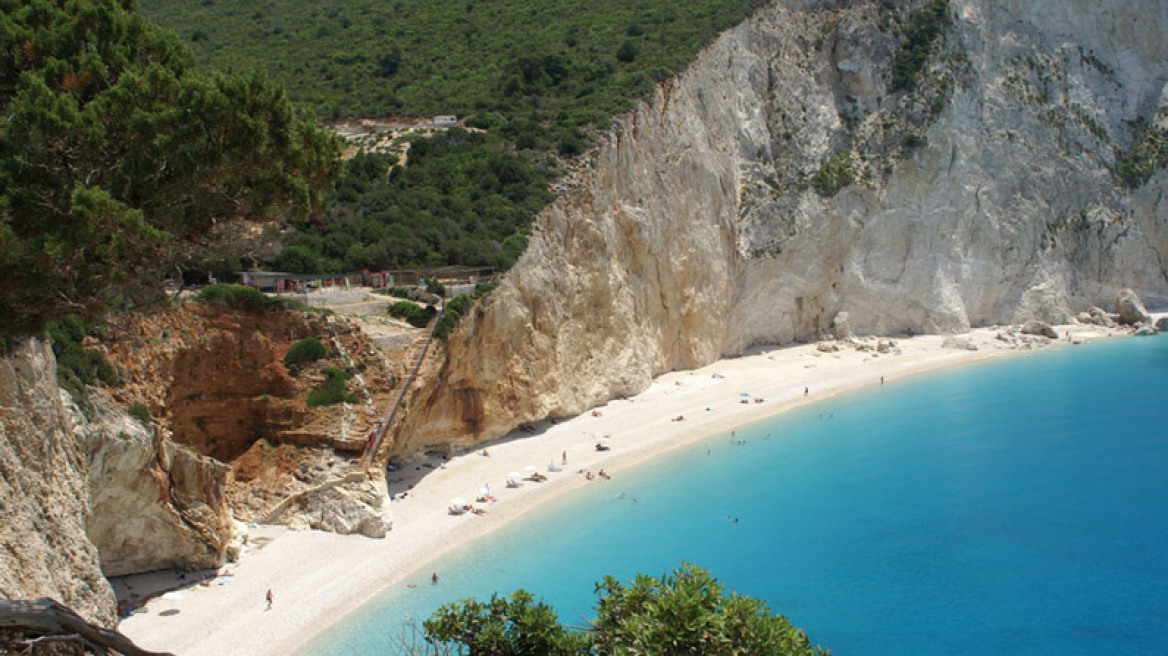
{"x":535,"y":75}
{"x":372,"y":57}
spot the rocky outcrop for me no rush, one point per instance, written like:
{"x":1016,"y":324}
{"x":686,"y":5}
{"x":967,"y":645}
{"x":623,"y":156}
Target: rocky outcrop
{"x":1131,"y":308}
{"x":44,"y":495}
{"x":1039,"y":328}
{"x":781,"y":180}
{"x":1095,"y":316}
{"x":345,"y":508}
{"x":154,"y":504}
{"x":958,"y":343}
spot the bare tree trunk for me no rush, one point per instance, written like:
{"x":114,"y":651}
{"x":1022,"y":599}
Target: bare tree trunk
{"x":46,"y":617}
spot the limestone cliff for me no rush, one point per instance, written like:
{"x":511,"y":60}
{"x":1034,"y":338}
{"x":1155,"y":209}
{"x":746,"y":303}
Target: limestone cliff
{"x":154,"y":504}
{"x":787,"y":176}
{"x":43,"y":493}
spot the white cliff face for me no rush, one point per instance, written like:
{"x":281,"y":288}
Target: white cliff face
{"x":90,"y":495}
{"x":43,"y":495}
{"x":984,"y":196}
{"x":153,"y":504}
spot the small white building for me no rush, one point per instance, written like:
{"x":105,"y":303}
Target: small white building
{"x":445,"y":121}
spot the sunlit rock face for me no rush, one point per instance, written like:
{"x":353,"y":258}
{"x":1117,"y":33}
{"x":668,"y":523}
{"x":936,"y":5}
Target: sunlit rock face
{"x":782,"y":179}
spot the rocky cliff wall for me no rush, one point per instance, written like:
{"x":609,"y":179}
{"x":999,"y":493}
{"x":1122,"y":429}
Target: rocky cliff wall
{"x":43,"y":493}
{"x":781,"y":180}
{"x":154,"y":504}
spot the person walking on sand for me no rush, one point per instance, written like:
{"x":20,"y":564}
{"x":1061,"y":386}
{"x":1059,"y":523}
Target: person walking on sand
{"x":434,"y":578}
{"x":564,"y":458}
{"x":270,"y":597}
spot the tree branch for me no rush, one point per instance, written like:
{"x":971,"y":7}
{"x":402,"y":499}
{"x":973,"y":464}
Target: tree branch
{"x":47,"y":617}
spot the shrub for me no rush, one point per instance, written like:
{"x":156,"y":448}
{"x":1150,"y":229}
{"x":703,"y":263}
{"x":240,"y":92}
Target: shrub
{"x":1137,"y":165}
{"x":455,"y":310}
{"x":835,"y":174}
{"x":333,"y":389}
{"x":78,"y":367}
{"x":911,"y":141}
{"x":239,"y":297}
{"x":923,"y":28}
{"x":139,"y":411}
{"x":412,"y":313}
{"x":686,"y":612}
{"x":308,"y":349}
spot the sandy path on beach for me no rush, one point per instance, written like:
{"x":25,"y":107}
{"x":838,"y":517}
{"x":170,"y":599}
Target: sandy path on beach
{"x":316,"y":578}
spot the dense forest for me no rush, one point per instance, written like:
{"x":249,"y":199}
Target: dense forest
{"x":530,"y":79}
{"x":463,"y":199}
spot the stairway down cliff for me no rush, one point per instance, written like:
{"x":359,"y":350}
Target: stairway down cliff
{"x":802,"y":167}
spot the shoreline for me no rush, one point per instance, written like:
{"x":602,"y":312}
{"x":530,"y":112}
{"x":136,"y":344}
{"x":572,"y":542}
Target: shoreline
{"x":319,"y":578}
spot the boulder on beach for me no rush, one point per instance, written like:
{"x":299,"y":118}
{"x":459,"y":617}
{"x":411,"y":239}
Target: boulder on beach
{"x":840,"y":327}
{"x":959,"y":343}
{"x":1035,"y":327}
{"x":1131,"y":309}
{"x":1095,"y":316}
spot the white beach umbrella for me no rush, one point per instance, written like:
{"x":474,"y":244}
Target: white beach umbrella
{"x":484,"y":490}
{"x":530,"y":468}
{"x":514,"y":475}
{"x":458,"y":501}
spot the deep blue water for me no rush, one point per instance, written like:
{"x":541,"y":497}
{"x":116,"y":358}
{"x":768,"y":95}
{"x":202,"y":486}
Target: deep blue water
{"x":1015,"y":506}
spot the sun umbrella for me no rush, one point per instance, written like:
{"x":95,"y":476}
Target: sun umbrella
{"x":458,"y":501}
{"x":484,"y":490}
{"x":530,"y":468}
{"x":514,"y":475}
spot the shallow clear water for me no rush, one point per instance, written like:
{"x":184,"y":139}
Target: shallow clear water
{"x":1016,"y":506}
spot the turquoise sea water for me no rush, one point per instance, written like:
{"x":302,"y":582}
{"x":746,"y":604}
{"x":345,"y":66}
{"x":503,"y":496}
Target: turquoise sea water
{"x":1015,"y":506}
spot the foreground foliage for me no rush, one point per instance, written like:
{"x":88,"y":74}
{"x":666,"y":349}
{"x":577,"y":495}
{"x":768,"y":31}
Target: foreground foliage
{"x":684,"y":612}
{"x":118,"y":161}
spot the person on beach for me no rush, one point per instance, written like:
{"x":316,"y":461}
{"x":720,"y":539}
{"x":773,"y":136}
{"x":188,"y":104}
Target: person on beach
{"x":806,"y":391}
{"x":270,"y":598}
{"x":434,"y":578}
{"x":564,"y":458}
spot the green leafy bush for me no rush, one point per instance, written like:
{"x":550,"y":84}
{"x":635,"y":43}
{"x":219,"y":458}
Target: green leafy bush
{"x":139,"y":411}
{"x":685,"y":612}
{"x":457,"y":308}
{"x":412,"y":313}
{"x":435,"y":287}
{"x":77,"y":366}
{"x":917,"y":37}
{"x":308,"y":349}
{"x":1136,"y":166}
{"x":333,"y":389}
{"x":239,"y":297}
{"x":835,"y":174}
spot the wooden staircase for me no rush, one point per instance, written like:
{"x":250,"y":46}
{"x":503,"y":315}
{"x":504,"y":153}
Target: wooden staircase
{"x":415,"y":356}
